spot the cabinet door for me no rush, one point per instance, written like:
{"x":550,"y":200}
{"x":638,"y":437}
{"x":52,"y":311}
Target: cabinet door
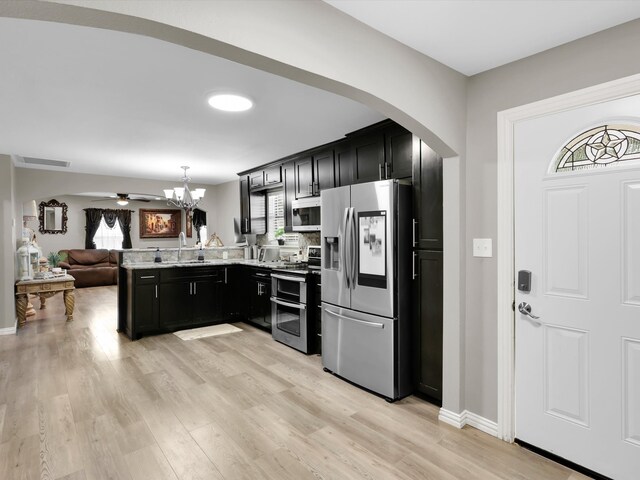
{"x":288,"y":170}
{"x":145,"y":308}
{"x":324,"y":172}
{"x":343,"y":164}
{"x":176,"y":305}
{"x":256,"y":179}
{"x":205,"y":300}
{"x":272,"y":175}
{"x":304,"y":177}
{"x":427,"y":191}
{"x":398,"y":152}
{"x":368,"y":157}
{"x":429,"y":323}
{"x":245,"y":205}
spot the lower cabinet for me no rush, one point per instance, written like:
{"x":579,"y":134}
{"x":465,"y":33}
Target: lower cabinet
{"x":428,"y":313}
{"x":259,"y":298}
{"x":169,"y":299}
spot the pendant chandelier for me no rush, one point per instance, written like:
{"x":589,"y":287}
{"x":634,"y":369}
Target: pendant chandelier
{"x":182,"y":197}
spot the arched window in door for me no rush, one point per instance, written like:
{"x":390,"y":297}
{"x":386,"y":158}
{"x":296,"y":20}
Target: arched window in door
{"x":602,"y":146}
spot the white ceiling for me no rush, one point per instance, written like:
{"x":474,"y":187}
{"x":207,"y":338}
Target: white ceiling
{"x":120,"y":104}
{"x":472,"y":36}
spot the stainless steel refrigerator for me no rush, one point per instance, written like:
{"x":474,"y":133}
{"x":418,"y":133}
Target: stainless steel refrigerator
{"x":366,"y":285}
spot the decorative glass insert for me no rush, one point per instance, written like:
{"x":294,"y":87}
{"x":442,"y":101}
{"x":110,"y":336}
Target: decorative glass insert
{"x":599,"y":147}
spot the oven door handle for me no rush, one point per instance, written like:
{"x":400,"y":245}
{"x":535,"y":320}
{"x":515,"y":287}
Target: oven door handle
{"x":361,"y":322}
{"x":299,"y":306}
{"x":291,"y":279}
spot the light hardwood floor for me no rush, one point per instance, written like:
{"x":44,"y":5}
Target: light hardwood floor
{"x":80,"y":401}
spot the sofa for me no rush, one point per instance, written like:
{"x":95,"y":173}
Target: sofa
{"x":91,"y":268}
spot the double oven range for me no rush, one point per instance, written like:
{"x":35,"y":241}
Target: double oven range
{"x":292,"y":308}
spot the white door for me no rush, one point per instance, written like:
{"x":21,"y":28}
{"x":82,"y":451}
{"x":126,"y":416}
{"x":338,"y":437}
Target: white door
{"x":578,"y":233}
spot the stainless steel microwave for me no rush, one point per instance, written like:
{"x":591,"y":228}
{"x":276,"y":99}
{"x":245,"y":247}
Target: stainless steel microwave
{"x":306,"y":214}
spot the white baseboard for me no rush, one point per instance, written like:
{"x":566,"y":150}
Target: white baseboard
{"x":459,"y":420}
{"x":8,"y":330}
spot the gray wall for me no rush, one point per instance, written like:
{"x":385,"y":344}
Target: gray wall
{"x":7,"y":243}
{"x":590,"y":61}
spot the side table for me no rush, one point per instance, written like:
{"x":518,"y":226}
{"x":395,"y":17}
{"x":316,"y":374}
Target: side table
{"x":44,"y":288}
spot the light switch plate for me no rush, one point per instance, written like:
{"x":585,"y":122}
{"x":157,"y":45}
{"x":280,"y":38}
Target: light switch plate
{"x":482,"y":247}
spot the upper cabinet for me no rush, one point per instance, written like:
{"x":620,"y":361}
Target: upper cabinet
{"x":368,"y":157}
{"x":427,"y":194}
{"x":399,"y":153}
{"x":252,"y":208}
{"x":268,"y":177}
{"x":381,"y":152}
{"x":314,"y":172}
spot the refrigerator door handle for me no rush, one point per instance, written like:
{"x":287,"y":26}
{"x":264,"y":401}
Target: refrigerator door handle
{"x":362,"y":322}
{"x":343,"y":248}
{"x":354,"y":249}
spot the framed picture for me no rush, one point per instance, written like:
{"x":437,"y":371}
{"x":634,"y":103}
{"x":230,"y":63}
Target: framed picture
{"x":189,"y":224}
{"x":160,"y":223}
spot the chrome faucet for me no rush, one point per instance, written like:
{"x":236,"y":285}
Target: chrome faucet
{"x":182,"y":242}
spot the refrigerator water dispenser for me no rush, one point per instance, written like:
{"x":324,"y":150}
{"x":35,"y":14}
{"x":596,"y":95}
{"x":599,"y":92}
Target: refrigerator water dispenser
{"x":331,"y":254}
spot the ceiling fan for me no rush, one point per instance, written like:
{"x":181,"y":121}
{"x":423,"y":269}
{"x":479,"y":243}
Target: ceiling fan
{"x":123,"y":199}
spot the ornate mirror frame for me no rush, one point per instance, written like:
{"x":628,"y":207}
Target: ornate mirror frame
{"x":53,"y":204}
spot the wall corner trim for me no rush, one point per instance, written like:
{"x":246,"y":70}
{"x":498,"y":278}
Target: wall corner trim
{"x":9,"y":330}
{"x":459,"y":420}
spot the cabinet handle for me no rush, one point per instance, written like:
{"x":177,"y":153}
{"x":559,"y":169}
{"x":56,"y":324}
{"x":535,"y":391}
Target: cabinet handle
{"x":156,"y":291}
{"x":225,"y":276}
{"x":413,"y":266}
{"x":246,"y":225}
{"x":310,"y":189}
{"x":386,"y":170}
{"x":415,"y":228}
{"x":380,"y":167}
{"x":195,"y":288}
{"x":190,"y":288}
{"x":147,"y":276}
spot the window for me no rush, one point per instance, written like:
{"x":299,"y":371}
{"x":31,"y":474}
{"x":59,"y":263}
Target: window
{"x":275,"y":218}
{"x":108,"y":238}
{"x":275,"y":213}
{"x":599,"y":147}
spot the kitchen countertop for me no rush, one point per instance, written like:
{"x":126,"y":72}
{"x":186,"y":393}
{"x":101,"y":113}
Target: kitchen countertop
{"x":211,"y":262}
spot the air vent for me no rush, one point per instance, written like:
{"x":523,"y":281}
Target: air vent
{"x":44,"y":161}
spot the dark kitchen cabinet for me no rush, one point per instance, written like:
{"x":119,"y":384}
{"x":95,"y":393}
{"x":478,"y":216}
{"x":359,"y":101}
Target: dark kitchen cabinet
{"x":142,"y":314}
{"x":231,"y":291}
{"x":428,"y":311}
{"x":272,"y":176}
{"x":314,"y":173}
{"x":368,"y":157}
{"x":323,"y":171}
{"x":256,"y":179}
{"x":343,"y":164}
{"x":289,"y":184}
{"x":245,"y":204}
{"x":260,"y":298}
{"x":304,"y":177}
{"x":189,"y":297}
{"x":427,"y":193}
{"x":399,"y":152}
{"x":253,"y":209}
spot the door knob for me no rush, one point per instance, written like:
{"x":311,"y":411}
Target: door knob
{"x":525,"y":309}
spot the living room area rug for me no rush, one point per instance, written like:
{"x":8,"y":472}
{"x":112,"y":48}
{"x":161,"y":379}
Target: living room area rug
{"x":203,"y":332}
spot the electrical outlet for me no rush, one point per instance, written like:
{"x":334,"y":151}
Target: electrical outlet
{"x":482,"y":247}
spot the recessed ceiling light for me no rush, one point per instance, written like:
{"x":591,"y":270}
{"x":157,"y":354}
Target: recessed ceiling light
{"x":230,"y":103}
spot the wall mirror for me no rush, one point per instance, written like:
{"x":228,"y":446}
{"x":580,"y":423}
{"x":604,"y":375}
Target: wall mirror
{"x":53,"y":217}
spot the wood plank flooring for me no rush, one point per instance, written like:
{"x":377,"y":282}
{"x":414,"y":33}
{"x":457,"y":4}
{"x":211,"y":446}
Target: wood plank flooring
{"x":80,"y":401}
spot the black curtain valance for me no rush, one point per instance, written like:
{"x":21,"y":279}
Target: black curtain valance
{"x":95,"y":215}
